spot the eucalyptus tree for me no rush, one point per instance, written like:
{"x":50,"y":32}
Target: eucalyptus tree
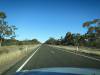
{"x":93,"y":32}
{"x":68,"y":39}
{"x":93,"y":26}
{"x":5,"y":29}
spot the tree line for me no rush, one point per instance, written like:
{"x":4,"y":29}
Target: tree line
{"x":90,"y":39}
{"x":8,"y":42}
{"x":7,"y":34}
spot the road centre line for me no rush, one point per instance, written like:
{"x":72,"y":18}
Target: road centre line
{"x":20,"y":68}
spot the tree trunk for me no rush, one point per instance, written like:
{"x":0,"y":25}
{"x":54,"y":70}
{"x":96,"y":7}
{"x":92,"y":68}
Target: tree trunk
{"x":0,"y":42}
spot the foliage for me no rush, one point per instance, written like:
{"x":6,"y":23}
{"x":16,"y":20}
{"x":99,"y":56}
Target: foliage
{"x":51,"y":41}
{"x":2,"y":15}
{"x":5,"y":29}
{"x":28,"y":42}
{"x":89,"y":39}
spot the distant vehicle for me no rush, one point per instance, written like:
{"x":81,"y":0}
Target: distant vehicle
{"x":60,"y":71}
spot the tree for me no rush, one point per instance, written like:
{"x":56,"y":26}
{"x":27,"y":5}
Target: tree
{"x":68,"y":38}
{"x":86,"y":24}
{"x":2,"y":15}
{"x":76,"y":38}
{"x":93,"y":32}
{"x":5,"y":29}
{"x":51,"y":41}
{"x":93,"y":26}
{"x":35,"y":41}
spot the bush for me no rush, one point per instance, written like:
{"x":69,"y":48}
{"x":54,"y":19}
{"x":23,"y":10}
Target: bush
{"x":98,"y":43}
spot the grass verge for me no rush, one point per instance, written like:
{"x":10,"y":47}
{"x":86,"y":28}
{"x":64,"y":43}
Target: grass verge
{"x":9,"y":55}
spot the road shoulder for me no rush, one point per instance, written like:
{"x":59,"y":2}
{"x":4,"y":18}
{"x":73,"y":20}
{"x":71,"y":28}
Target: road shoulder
{"x":88,"y":54}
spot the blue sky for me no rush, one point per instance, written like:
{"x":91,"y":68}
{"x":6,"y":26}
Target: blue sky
{"x":42,"y":19}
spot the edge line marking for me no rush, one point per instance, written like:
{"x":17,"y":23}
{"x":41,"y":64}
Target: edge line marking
{"x":27,"y":60}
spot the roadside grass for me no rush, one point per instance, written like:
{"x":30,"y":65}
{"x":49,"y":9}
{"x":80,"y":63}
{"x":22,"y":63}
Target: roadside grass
{"x":9,"y":55}
{"x":8,"y":59}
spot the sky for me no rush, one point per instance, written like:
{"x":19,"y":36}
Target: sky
{"x":43,"y":19}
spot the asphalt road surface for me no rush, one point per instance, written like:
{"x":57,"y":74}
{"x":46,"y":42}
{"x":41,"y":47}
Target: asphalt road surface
{"x":47,"y":56}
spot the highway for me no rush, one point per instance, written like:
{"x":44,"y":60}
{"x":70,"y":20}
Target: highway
{"x":47,"y":56}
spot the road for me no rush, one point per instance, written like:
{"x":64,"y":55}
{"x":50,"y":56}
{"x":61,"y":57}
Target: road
{"x":46,"y":56}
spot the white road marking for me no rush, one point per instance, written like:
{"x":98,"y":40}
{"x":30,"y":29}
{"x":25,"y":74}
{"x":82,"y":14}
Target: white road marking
{"x":27,"y":60}
{"x":89,"y":57}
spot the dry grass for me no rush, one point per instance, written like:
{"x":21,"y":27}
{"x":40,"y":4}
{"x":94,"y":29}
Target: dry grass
{"x":9,"y":55}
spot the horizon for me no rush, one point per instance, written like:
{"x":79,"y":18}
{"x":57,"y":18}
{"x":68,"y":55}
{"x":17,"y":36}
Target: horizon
{"x":42,"y":19}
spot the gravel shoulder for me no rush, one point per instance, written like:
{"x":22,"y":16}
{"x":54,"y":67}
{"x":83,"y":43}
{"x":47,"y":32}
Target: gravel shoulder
{"x":87,"y":51}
